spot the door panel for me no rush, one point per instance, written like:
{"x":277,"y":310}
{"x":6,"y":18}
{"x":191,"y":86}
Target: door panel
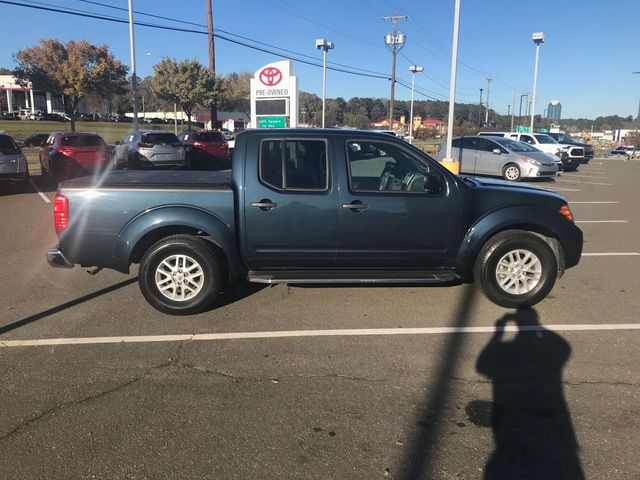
{"x":398,"y":225}
{"x":290,"y":205}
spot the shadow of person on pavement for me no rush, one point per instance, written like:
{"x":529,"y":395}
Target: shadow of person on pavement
{"x":534,"y":436}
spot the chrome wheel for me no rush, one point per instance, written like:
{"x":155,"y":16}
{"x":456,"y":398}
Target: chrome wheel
{"x":518,"y":272}
{"x":179,"y":278}
{"x":512,"y":173}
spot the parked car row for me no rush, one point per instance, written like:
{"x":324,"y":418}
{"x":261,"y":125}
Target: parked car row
{"x":571,"y":155}
{"x":500,"y":156}
{"x":74,"y":154}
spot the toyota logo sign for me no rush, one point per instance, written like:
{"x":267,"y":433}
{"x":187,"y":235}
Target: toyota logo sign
{"x":270,"y":76}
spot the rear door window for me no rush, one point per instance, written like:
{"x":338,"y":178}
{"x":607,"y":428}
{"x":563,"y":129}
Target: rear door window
{"x":294,"y":165}
{"x":83,"y":141}
{"x":209,"y":137}
{"x":160,"y":138}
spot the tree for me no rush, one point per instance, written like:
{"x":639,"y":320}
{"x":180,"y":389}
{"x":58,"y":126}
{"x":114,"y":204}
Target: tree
{"x":236,"y":95}
{"x":187,"y":83}
{"x":76,"y":70}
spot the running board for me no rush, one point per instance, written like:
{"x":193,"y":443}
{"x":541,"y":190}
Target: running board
{"x":352,"y":276}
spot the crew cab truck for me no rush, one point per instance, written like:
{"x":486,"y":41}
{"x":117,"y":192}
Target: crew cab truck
{"x":316,"y":206}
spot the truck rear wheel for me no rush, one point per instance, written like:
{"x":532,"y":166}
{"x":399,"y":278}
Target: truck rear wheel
{"x":515,"y":269}
{"x":180,"y":275}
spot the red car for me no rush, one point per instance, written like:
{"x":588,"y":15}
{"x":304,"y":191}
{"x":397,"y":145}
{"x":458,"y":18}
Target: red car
{"x":74,"y":154}
{"x":206,"y":150}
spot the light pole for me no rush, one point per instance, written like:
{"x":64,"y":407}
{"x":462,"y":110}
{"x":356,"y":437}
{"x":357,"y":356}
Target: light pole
{"x":134,"y":80}
{"x":448,"y":161}
{"x":324,"y":45}
{"x":538,"y":38}
{"x":638,"y":117}
{"x":480,"y":108}
{"x":413,"y":69}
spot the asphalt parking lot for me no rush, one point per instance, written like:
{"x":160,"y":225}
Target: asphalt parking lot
{"x":324,"y":383}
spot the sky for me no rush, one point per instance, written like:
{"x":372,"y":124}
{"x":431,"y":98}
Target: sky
{"x":591,"y":46}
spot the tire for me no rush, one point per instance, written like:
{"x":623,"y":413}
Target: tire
{"x":511,"y":172}
{"x":535,"y":263}
{"x":176,"y":252}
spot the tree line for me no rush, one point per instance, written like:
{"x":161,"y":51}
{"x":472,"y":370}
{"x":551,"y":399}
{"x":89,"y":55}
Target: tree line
{"x":82,"y":71}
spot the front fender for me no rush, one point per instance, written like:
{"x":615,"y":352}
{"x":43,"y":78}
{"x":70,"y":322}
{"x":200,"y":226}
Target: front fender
{"x":217,"y":230}
{"x":538,"y":219}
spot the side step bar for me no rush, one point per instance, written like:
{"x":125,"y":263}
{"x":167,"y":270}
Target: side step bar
{"x":352,"y":276}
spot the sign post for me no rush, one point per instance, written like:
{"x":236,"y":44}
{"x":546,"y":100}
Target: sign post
{"x":274,"y":96}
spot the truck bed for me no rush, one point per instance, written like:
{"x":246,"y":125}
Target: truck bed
{"x":109,"y":217}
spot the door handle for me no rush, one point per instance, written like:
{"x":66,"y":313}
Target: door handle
{"x":264,"y":204}
{"x":356,"y":206}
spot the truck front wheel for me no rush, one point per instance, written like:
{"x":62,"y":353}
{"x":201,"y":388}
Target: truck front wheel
{"x":516,"y":268}
{"x":180,"y":275}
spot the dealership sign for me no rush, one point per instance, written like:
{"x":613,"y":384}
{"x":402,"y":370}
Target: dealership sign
{"x":274,"y":96}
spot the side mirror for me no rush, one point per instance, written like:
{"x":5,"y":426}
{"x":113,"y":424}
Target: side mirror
{"x":117,"y":142}
{"x":497,"y":151}
{"x":432,"y":183}
{"x":43,"y":143}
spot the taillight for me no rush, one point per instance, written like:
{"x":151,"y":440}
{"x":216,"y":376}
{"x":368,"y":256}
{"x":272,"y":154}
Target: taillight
{"x":67,"y":152}
{"x":566,"y":212}
{"x":60,"y":212}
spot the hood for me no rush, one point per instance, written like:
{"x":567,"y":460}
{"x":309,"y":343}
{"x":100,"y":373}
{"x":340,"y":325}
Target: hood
{"x":493,"y":184}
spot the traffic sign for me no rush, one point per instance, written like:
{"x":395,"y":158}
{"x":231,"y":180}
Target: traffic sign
{"x":523,"y":129}
{"x":272,"y":122}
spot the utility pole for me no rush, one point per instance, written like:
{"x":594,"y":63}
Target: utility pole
{"x":394,"y":42}
{"x":480,"y":107}
{"x":486,"y":113}
{"x":212,"y":59}
{"x":134,"y":79}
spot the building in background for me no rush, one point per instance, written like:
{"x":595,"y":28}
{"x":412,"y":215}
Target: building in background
{"x":554,"y":110}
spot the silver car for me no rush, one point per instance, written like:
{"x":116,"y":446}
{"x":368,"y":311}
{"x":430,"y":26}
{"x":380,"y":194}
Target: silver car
{"x":13,"y":163}
{"x":497,"y":156}
{"x":149,"y":148}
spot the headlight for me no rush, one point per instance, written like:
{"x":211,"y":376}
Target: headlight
{"x":530,"y":160}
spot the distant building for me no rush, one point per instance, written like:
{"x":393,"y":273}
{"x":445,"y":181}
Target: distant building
{"x":554,"y":110}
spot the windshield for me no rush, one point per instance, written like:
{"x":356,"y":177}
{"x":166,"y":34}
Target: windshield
{"x":542,"y":138}
{"x":7,"y":147}
{"x":515,"y":146}
{"x":565,"y":138}
{"x":83,"y":141}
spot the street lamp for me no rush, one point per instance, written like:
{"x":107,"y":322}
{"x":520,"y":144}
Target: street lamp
{"x":638,"y":117}
{"x":413,"y":69}
{"x":133,"y":67}
{"x":324,"y":45}
{"x":538,"y":38}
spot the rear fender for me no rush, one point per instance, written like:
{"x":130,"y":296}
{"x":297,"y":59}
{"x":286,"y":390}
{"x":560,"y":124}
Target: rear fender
{"x":173,"y":219}
{"x":539,"y":220}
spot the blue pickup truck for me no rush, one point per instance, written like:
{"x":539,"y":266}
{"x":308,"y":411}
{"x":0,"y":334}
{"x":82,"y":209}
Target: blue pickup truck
{"x":316,"y":206}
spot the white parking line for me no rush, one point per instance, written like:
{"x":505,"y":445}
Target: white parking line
{"x":602,"y":221}
{"x":355,"y":332}
{"x":612,"y":254}
{"x":605,"y":202}
{"x":587,"y":176}
{"x":560,"y":189}
{"x":39,"y":192}
{"x":585,"y":183}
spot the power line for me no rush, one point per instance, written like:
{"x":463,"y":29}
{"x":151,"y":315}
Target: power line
{"x":227,"y":33}
{"x":186,"y":30}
